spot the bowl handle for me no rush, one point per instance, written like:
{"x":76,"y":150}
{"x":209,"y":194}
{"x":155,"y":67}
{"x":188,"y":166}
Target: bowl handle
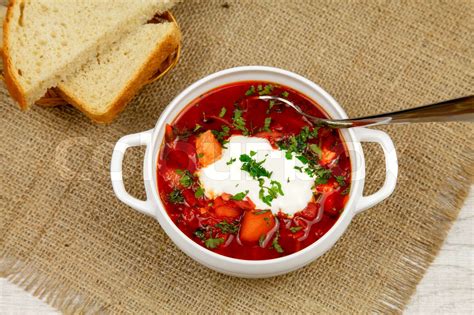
{"x":137,"y":139}
{"x":391,"y":166}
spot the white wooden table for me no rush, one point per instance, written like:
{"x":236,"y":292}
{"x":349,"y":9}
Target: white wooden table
{"x":447,"y":288}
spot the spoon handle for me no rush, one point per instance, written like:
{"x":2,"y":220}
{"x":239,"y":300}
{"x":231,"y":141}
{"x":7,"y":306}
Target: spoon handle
{"x":459,"y":109}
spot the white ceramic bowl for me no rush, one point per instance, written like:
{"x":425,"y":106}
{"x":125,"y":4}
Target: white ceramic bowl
{"x":153,"y":206}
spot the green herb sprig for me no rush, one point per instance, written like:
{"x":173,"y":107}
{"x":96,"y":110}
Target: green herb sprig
{"x":240,"y":196}
{"x":239,"y":122}
{"x":176,"y":196}
{"x":266,"y":193}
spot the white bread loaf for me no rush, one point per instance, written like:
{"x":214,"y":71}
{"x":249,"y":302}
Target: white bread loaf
{"x":46,"y":41}
{"x":103,"y":86}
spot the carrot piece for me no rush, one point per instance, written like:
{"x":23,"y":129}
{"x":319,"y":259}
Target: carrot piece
{"x":329,"y":187}
{"x":218,"y":202}
{"x":208,"y":148}
{"x":169,"y":134}
{"x":227,"y":211}
{"x":245,"y":204}
{"x":255,"y":224}
{"x":327,"y":156}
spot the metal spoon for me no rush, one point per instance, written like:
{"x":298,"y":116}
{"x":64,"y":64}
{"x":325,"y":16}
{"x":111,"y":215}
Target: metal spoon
{"x":459,"y":109}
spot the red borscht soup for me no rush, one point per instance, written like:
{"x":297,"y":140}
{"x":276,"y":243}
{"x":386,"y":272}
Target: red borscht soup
{"x":252,"y":179}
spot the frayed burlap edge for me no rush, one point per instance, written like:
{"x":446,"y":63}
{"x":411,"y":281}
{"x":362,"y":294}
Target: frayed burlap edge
{"x":54,"y":292}
{"x":399,"y":291}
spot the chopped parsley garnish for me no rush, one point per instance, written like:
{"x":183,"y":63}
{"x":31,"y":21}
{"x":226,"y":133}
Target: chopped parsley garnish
{"x":221,"y":135}
{"x":200,"y":234}
{"x":200,"y":155}
{"x":250,"y":91}
{"x":322,"y":176}
{"x":227,"y":227}
{"x":175,"y":196}
{"x":303,"y":159}
{"x":267,"y":90}
{"x":199,"y":192}
{"x":254,"y":168}
{"x":209,"y":242}
{"x":308,"y":154}
{"x":186,"y":178}
{"x":266,"y":124}
{"x":341,"y":181}
{"x":299,"y":143}
{"x":261,"y":212}
{"x":197,"y":127}
{"x":285,"y":94}
{"x":345,"y":191}
{"x":239,"y":122}
{"x":295,"y":229}
{"x":271,"y":103}
{"x":213,"y":242}
{"x":268,"y":194}
{"x":261,"y":240}
{"x":182,"y":134}
{"x":223,"y":111}
{"x":240,"y":195}
{"x":316,"y":149}
{"x":232,"y":160}
{"x":276,"y":245}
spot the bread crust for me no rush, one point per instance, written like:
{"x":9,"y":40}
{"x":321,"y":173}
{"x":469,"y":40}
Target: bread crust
{"x":11,"y":81}
{"x":161,"y":52}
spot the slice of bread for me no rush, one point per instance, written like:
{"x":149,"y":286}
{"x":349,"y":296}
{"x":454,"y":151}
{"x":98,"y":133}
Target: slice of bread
{"x":3,"y":13}
{"x":102,"y":88}
{"x":45,"y":41}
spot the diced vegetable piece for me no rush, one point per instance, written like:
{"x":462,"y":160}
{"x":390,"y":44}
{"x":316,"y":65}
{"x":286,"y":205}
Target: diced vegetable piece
{"x":333,"y":204}
{"x":255,"y":224}
{"x":218,"y":202}
{"x":327,"y":157}
{"x":311,"y":211}
{"x":169,"y":134}
{"x":328,"y":187}
{"x":227,"y":211}
{"x":245,"y":204}
{"x":208,"y":149}
{"x":188,"y":195}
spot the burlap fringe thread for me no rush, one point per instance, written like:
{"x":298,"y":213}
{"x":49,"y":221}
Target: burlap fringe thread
{"x":55,"y":292}
{"x":58,"y":294}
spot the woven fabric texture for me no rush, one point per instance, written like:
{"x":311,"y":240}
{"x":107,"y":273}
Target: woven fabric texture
{"x":66,"y":238}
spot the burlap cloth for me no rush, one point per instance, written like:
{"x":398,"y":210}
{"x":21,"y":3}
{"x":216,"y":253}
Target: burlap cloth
{"x":67,"y":239}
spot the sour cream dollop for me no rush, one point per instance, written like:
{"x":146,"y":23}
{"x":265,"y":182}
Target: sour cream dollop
{"x":226,"y":176}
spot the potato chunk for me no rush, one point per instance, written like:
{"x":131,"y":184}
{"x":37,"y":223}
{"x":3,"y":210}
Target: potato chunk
{"x":208,"y":148}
